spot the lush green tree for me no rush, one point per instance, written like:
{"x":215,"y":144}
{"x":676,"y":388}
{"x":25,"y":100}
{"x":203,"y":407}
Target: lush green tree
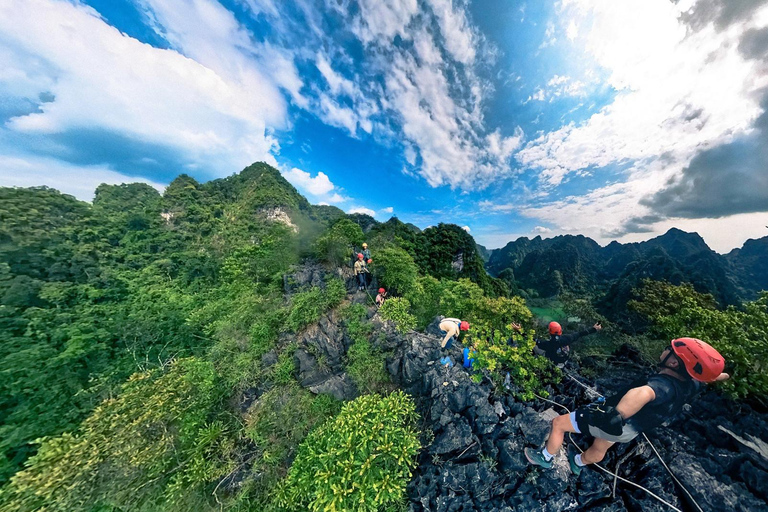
{"x":395,"y":270}
{"x":335,"y":246}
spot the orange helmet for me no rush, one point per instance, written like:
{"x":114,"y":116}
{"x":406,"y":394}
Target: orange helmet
{"x":464,"y":326}
{"x":702,"y":362}
{"x":554,"y":328}
{"x":370,"y":261}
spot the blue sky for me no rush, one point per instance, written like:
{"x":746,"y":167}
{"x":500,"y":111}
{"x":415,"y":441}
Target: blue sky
{"x":616,"y":120}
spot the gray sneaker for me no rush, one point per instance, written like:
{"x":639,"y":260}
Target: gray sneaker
{"x":536,"y":458}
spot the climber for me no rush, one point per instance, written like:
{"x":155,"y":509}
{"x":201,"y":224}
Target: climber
{"x":558,"y":346}
{"x":381,"y":297}
{"x":366,"y":252}
{"x":648,"y":403}
{"x":360,"y":271}
{"x":452,"y":328}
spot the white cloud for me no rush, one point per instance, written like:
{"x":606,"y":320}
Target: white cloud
{"x":572,"y":31}
{"x":541,"y":230}
{"x":466,"y":228}
{"x":489,"y":206}
{"x":320,"y":188}
{"x":678,"y":90}
{"x":78,"y":181}
{"x":319,"y":185}
{"x":382,"y":18}
{"x":361,"y":209}
{"x":457,"y":32}
{"x":216,"y":110}
{"x":388,"y":209}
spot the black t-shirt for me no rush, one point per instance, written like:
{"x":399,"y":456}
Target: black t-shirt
{"x":671,"y":395}
{"x":557,"y":348}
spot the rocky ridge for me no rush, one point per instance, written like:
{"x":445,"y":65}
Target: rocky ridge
{"x":474,"y":435}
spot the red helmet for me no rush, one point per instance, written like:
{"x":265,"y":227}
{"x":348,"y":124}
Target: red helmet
{"x":555,"y":328}
{"x":702,"y":362}
{"x":370,"y":261}
{"x":382,"y":290}
{"x":359,"y":255}
{"x":464,"y":326}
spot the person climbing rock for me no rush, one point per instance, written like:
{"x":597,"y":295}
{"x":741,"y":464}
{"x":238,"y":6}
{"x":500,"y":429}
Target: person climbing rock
{"x":684,"y":365}
{"x":557,"y":348}
{"x":361,"y":269}
{"x":381,"y":297}
{"x":452,"y":328}
{"x":366,"y":252}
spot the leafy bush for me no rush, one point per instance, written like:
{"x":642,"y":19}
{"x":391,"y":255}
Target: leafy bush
{"x":460,"y":298}
{"x":395,"y":270}
{"x":397,"y":310}
{"x":308,"y":306}
{"x":361,"y":460}
{"x":152,"y":443}
{"x":741,"y":336}
{"x":335,"y":246}
{"x":499,"y":349}
{"x":528,"y":373}
{"x":365,"y":363}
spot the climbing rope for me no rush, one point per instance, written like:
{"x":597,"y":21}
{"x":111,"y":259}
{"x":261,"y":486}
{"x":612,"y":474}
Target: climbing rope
{"x":616,"y":476}
{"x":591,"y":392}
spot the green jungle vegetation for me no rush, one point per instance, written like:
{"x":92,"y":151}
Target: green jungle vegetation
{"x":134,"y":329}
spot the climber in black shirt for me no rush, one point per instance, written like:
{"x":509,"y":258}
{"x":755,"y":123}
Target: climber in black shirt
{"x":557,"y":348}
{"x":685,"y":364}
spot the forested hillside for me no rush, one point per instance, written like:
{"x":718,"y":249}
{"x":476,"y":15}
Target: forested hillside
{"x":207,"y":349}
{"x":578,"y":265}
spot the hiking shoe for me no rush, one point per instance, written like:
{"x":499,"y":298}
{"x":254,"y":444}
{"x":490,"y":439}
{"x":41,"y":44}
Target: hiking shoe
{"x":448,"y":362}
{"x":442,"y":361}
{"x":536,"y":458}
{"x":575,"y":468}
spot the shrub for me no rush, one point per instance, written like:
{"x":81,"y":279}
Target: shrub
{"x":528,"y":373}
{"x":366,"y":364}
{"x":277,"y":423}
{"x":308,"y":306}
{"x":361,"y":460}
{"x":395,"y":270}
{"x":152,"y":443}
{"x":397,"y":310}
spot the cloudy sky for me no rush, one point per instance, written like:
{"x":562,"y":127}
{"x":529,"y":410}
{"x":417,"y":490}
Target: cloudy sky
{"x":613,"y":119}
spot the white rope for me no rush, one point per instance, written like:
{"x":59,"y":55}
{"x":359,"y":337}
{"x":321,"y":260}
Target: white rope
{"x":671,"y":473}
{"x":609,"y":472}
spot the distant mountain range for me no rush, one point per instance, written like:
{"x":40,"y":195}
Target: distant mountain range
{"x":547,"y":267}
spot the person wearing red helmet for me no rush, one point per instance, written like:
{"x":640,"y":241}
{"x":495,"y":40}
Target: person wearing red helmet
{"x":381,"y":297}
{"x":452,"y":327}
{"x":557,"y":348}
{"x":361,"y":269}
{"x":647,"y":403}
